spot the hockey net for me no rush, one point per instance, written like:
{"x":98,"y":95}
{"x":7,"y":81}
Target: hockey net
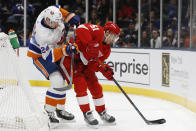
{"x":19,"y":109}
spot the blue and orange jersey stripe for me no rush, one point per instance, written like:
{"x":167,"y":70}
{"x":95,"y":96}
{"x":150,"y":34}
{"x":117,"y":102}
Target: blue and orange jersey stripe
{"x":35,"y":51}
{"x":41,"y":67}
{"x":33,"y":54}
{"x":57,"y":54}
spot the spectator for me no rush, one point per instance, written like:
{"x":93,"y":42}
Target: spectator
{"x":169,"y":39}
{"x":18,"y":9}
{"x":145,"y":7}
{"x":155,"y":6}
{"x":121,"y":41}
{"x":184,"y":36}
{"x":95,"y":3}
{"x":30,"y":10}
{"x":76,"y":4}
{"x":172,"y":9}
{"x":94,"y":18}
{"x":109,"y":16}
{"x":103,"y":10}
{"x":187,"y":39}
{"x":153,"y":18}
{"x":131,"y":35}
{"x":152,"y":15}
{"x":18,"y":16}
{"x":145,"y":40}
{"x":149,"y":27}
{"x":4,"y":6}
{"x":126,"y":11}
{"x":80,"y":12}
{"x":187,"y":42}
{"x":173,"y":24}
{"x":155,"y":41}
{"x":142,"y":24}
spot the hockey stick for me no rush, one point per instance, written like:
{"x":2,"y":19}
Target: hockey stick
{"x":66,"y":30}
{"x":149,"y":122}
{"x":67,"y":26}
{"x":72,"y":61}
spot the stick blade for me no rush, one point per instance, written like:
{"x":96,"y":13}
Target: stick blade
{"x":156,"y":122}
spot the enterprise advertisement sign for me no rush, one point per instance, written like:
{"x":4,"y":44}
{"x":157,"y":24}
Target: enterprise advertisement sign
{"x":130,"y":67}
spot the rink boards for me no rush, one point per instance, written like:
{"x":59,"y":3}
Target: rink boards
{"x":165,"y":74}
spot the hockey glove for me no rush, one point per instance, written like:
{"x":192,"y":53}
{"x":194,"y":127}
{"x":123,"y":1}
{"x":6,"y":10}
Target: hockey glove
{"x":107,"y":71}
{"x":75,"y":48}
{"x":69,"y":17}
{"x":73,"y":19}
{"x":69,"y":48}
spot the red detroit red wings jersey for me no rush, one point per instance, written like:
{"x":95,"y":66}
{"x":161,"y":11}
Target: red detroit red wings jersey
{"x":91,"y":34}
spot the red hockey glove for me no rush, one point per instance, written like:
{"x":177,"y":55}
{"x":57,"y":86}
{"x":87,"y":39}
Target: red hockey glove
{"x":107,"y":71}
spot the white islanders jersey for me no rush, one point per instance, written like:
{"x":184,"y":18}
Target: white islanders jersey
{"x":44,"y":39}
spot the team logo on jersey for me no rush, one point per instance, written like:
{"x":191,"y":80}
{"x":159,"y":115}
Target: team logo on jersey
{"x":51,"y":12}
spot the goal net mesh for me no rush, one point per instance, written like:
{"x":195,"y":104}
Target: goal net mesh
{"x":19,"y":109}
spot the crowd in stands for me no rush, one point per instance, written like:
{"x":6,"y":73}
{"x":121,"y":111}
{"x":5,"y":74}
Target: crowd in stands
{"x":100,"y":11}
{"x":150,"y":24}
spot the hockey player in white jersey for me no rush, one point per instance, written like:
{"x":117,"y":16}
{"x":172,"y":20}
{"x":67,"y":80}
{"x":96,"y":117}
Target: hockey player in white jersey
{"x":47,"y":47}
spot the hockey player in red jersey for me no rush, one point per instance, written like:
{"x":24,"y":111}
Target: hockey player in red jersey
{"x":94,"y":46}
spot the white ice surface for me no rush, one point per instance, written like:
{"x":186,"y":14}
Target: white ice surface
{"x":178,"y":118}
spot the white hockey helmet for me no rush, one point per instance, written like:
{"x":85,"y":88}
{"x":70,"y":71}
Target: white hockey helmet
{"x":54,"y":14}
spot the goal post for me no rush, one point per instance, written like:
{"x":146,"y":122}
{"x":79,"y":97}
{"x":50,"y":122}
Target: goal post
{"x":19,"y":109}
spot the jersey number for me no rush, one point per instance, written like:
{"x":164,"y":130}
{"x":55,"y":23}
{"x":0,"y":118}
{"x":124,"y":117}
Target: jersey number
{"x":94,"y":27}
{"x":43,"y":49}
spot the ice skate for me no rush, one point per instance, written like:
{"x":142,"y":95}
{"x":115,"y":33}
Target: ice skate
{"x":107,"y":119}
{"x":64,"y":116}
{"x":90,"y":120}
{"x":53,"y":121}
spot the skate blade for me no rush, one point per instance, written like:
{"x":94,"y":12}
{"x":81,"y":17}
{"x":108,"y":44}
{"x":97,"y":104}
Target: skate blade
{"x":92,"y":126}
{"x":66,"y":121}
